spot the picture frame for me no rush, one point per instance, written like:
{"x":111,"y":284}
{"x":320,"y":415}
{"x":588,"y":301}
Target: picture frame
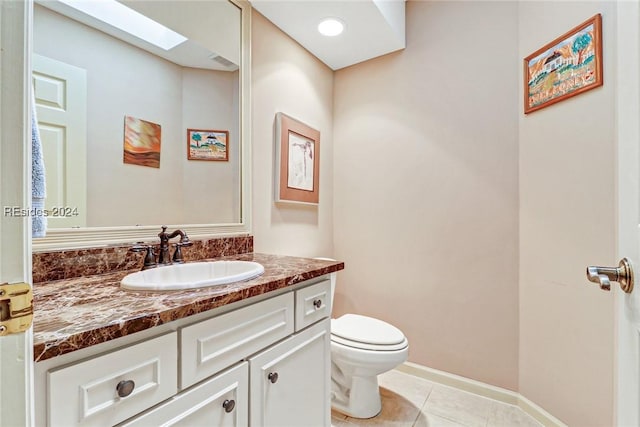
{"x":297,"y":161}
{"x":142,"y":141}
{"x":569,"y":65}
{"x":207,"y":144}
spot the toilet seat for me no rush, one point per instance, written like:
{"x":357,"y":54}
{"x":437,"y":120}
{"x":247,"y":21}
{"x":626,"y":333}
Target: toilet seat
{"x":366,"y":333}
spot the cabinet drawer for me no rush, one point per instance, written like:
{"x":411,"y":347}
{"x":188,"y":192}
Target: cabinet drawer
{"x":86,"y":393}
{"x":220,"y":401}
{"x":312,"y":304}
{"x":214,"y":344}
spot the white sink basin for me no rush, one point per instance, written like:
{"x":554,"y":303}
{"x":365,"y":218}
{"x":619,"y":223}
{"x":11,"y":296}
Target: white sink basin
{"x":192,"y":275}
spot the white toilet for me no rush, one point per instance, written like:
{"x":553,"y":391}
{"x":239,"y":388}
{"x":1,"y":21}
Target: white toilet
{"x":361,"y":349}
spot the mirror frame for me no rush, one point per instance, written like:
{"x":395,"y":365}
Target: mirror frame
{"x":75,"y":238}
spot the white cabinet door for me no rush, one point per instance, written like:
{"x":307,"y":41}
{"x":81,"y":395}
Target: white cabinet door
{"x":289,"y":382}
{"x":221,"y":401}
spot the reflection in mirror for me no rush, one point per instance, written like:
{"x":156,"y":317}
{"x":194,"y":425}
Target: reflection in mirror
{"x":89,"y":75}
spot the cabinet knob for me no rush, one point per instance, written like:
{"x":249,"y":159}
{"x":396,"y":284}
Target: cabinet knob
{"x":273,"y":377}
{"x":125,"y":388}
{"x":228,"y":405}
{"x":317,"y":303}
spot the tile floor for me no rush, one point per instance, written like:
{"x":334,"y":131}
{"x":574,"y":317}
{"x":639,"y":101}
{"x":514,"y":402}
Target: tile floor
{"x":409,"y":401}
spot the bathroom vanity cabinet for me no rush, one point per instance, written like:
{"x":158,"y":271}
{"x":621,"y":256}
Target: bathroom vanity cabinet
{"x":264,"y":363}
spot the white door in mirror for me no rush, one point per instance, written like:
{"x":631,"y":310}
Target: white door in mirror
{"x":192,"y":275}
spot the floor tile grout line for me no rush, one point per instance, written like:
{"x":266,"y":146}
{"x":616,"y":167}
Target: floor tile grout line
{"x":484,"y":418}
{"x":415,"y":421}
{"x":424,"y":404}
{"x":422,"y":407}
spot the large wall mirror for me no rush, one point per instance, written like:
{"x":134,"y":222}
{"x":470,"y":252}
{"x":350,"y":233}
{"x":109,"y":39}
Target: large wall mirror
{"x":143,"y":111}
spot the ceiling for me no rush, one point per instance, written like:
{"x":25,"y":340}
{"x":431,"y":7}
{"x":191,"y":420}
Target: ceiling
{"x":201,"y":50}
{"x":372,"y":27}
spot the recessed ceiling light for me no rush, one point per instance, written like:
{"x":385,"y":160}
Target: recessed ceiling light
{"x":118,"y":15}
{"x":330,"y":27}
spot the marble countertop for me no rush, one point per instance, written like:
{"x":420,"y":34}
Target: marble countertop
{"x":77,"y":313}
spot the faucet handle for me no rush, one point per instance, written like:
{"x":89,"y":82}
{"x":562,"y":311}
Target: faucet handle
{"x":150,"y":257}
{"x":139,"y":247}
{"x":177,"y":255}
{"x":184,"y":240}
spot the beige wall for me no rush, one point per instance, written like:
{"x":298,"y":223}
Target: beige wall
{"x":461,"y":220}
{"x":567,"y":221}
{"x":287,"y":78}
{"x":426,"y":194}
{"x":211,"y":190}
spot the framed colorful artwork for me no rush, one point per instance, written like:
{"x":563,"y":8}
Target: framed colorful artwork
{"x":208,"y":145}
{"x":142,"y":142}
{"x":568,"y":66}
{"x":297,"y":169}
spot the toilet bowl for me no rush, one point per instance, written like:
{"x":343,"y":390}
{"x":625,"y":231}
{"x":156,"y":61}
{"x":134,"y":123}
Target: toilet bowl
{"x":361,"y":349}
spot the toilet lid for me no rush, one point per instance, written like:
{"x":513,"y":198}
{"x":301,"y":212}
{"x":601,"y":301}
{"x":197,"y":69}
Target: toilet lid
{"x":366,"y":330}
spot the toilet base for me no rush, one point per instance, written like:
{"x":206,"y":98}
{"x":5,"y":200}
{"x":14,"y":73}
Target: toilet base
{"x":363,"y":400}
{"x":356,"y":363}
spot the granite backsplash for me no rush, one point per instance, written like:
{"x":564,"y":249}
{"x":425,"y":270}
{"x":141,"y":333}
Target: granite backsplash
{"x":72,"y":263}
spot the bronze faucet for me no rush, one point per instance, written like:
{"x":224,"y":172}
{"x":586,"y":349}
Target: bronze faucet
{"x":163,"y":256}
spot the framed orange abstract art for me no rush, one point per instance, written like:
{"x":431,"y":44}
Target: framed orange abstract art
{"x":142,"y":142}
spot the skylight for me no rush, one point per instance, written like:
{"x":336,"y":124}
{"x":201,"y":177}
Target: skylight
{"x":120,"y":16}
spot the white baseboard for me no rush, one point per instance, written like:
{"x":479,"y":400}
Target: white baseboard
{"x":482,"y":389}
{"x":538,"y":413}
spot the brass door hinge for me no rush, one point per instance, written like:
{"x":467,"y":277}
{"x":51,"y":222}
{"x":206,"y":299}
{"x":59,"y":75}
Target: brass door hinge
{"x":16,"y":308}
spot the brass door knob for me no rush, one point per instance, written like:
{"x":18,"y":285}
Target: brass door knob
{"x":622,"y":274}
